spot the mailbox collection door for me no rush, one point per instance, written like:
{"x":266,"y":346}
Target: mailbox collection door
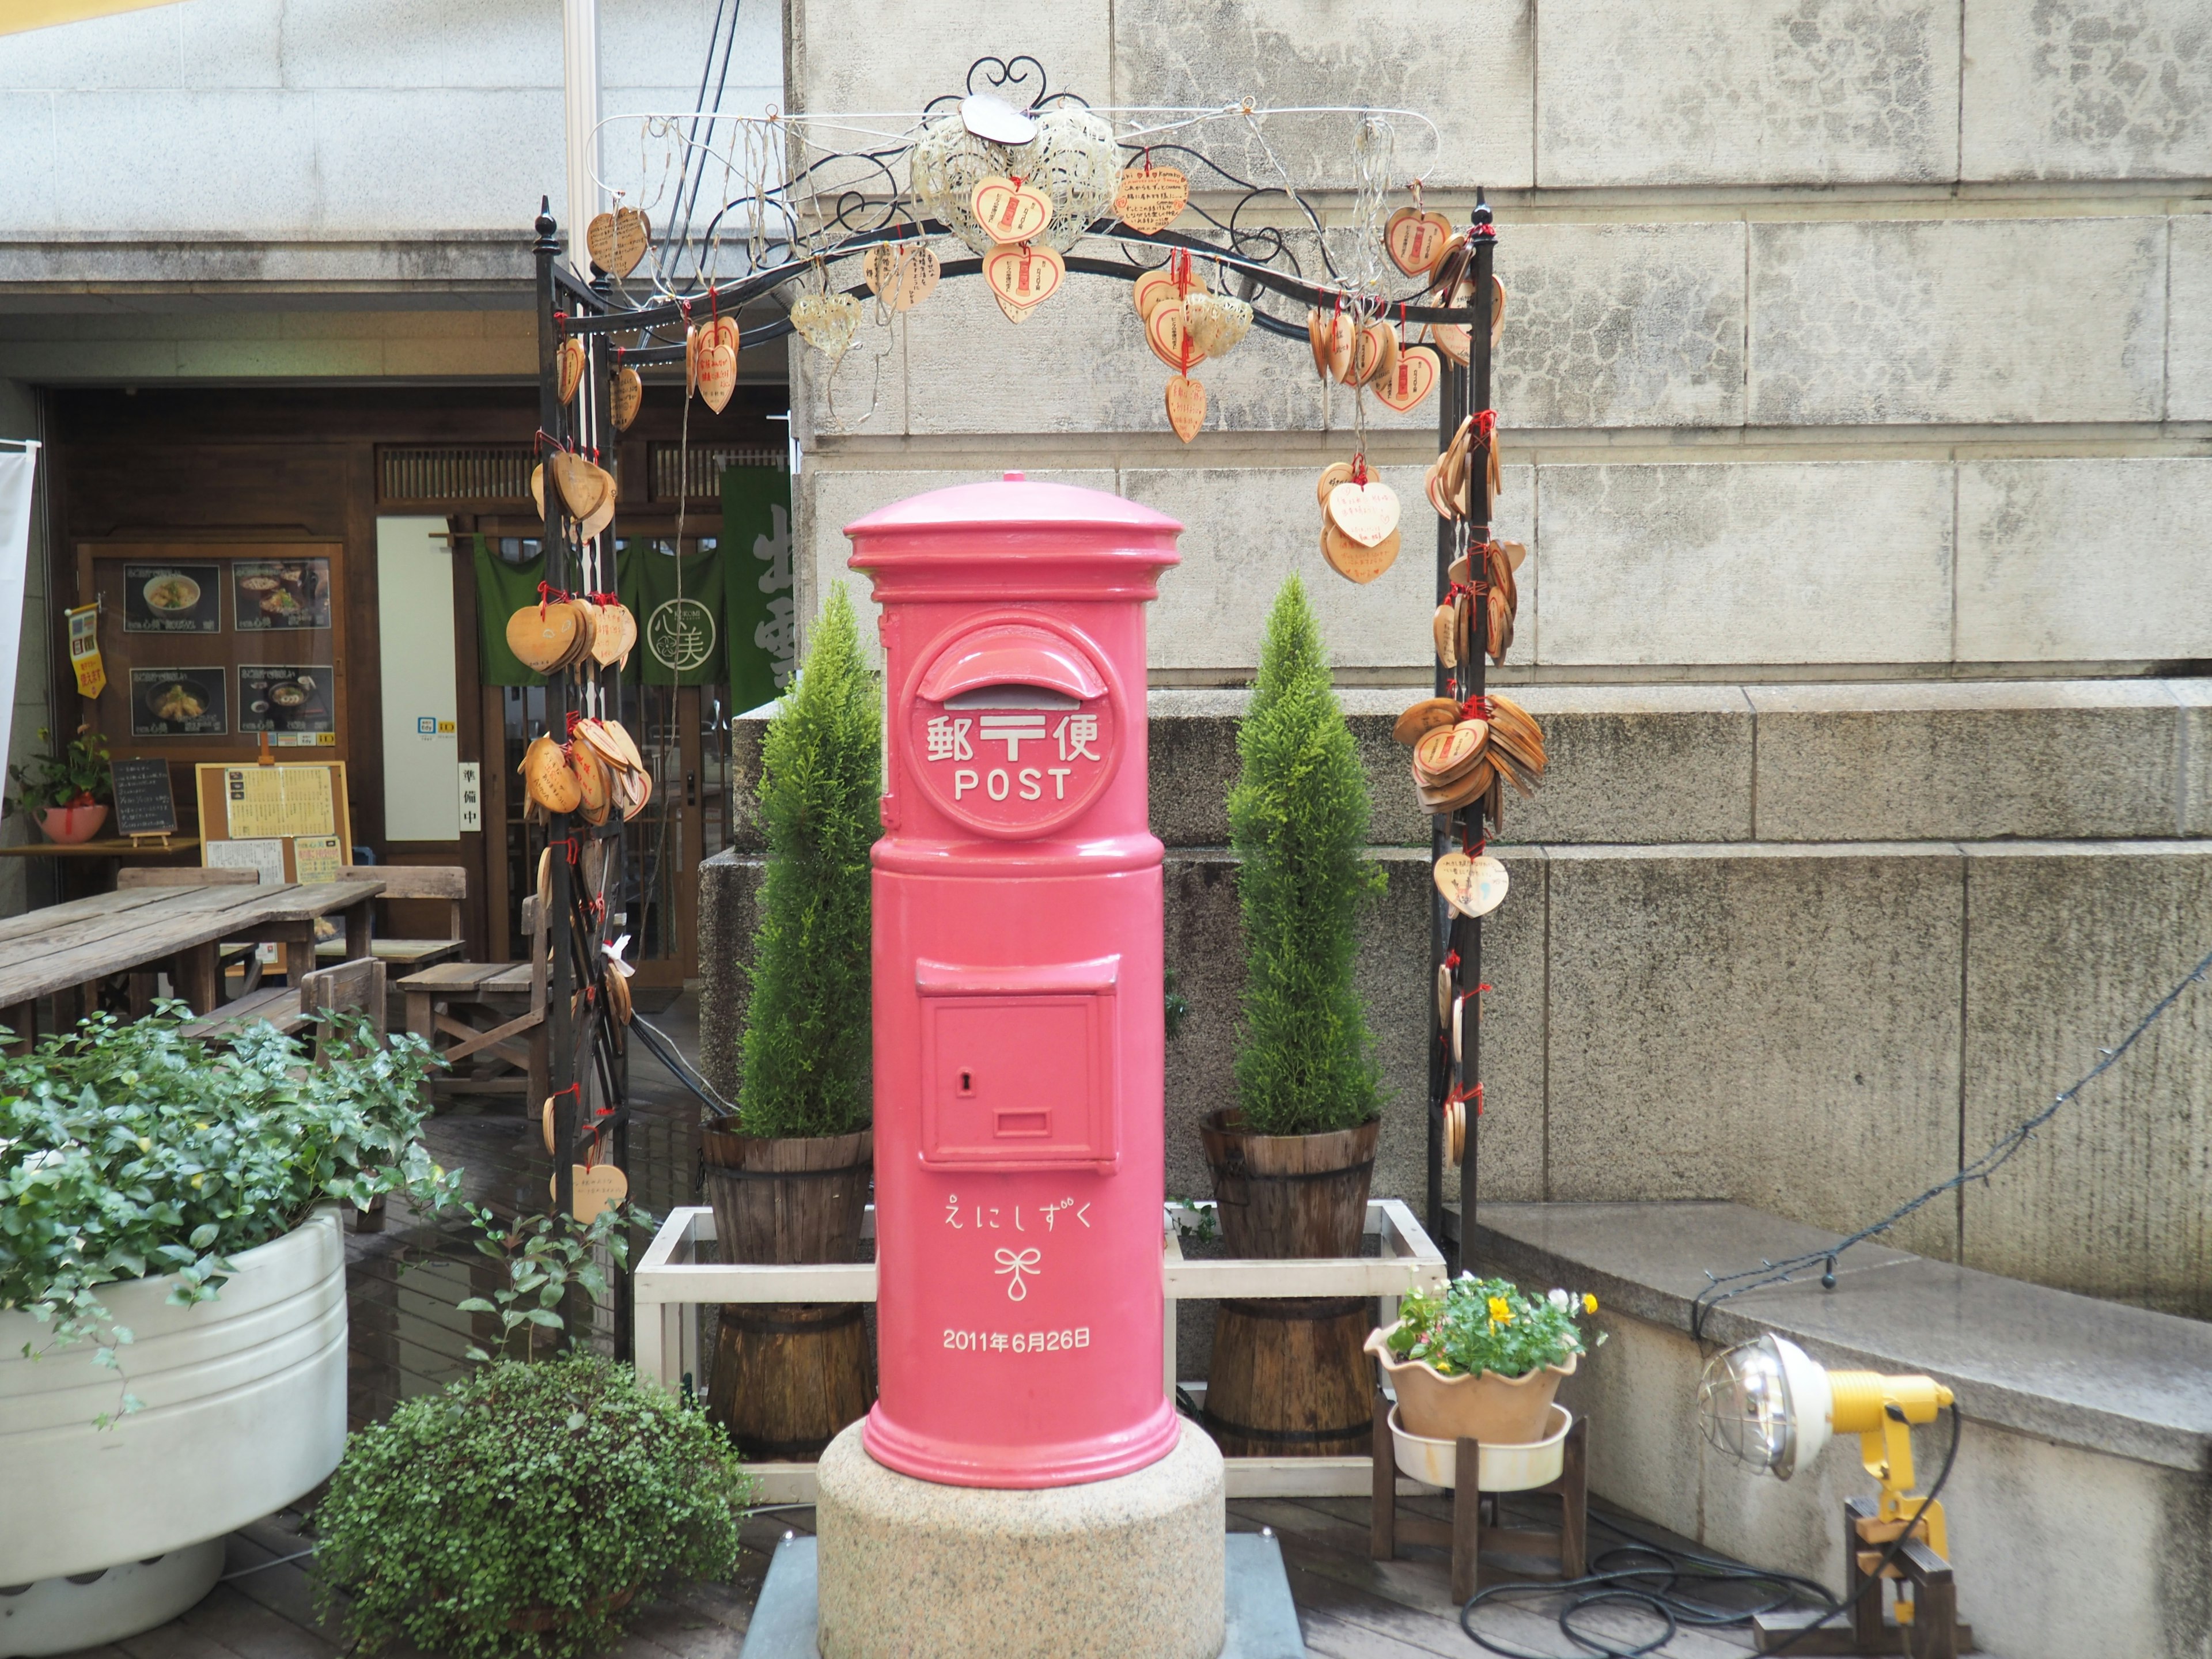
{"x":1019,"y":1033}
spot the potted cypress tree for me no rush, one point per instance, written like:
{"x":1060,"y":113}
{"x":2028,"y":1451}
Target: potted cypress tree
{"x":788,"y":1179}
{"x":1291,"y":1161}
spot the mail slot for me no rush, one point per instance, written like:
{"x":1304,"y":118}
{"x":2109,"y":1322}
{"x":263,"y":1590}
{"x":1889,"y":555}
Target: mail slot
{"x":1019,"y":1030}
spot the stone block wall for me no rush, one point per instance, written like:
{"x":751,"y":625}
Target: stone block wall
{"x":1856,"y":400}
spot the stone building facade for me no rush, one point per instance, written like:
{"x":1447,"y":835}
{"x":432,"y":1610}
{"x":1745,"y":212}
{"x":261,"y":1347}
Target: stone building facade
{"x":1856,"y":386}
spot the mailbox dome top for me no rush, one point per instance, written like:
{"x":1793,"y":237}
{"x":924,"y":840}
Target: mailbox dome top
{"x":1015,"y":501}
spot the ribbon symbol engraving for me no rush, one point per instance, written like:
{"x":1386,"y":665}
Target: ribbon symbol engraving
{"x":1017,"y":1262}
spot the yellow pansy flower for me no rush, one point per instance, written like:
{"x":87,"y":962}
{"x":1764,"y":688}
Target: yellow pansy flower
{"x":1501,"y":1311}
{"x":1590,"y":1303}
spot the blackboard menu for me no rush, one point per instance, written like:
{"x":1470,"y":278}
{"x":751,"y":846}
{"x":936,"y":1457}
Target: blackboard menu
{"x":143,"y":804}
{"x":172,"y":598}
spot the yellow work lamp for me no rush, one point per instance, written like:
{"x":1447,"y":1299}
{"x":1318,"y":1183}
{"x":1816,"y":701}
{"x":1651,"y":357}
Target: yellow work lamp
{"x":1769,"y":1403}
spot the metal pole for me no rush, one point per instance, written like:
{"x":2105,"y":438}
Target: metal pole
{"x":560,"y":1038}
{"x":1475,"y":676}
{"x":579,"y":108}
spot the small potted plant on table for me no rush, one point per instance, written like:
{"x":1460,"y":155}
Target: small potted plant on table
{"x":1482,"y":1360}
{"x":788,"y":1177}
{"x":69,"y":791}
{"x":1292,"y":1162}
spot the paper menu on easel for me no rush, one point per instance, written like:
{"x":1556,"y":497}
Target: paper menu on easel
{"x":264,"y":857}
{"x":282,"y":801}
{"x":316,"y":858}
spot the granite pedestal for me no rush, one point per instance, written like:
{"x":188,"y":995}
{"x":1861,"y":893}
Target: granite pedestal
{"x":1132,"y":1567}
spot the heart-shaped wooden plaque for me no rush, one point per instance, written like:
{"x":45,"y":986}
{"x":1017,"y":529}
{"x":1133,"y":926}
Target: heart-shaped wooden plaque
{"x":1367,"y":513}
{"x":1186,"y":406}
{"x":902,"y":274}
{"x":1155,"y":286}
{"x":1149,"y":199}
{"x":1023,"y":277}
{"x":1167,"y":330}
{"x":1353,"y":560}
{"x":581,"y":483}
{"x":633,"y":235}
{"x":1415,"y":240}
{"x":624,"y":396}
{"x":1374,"y":354}
{"x":1417,"y":371}
{"x":1009,"y":211}
{"x":1334,"y":473}
{"x":542,"y":640}
{"x":1474,"y":886}
{"x":718,"y":376}
{"x":597,"y":1187}
{"x":569,"y":369}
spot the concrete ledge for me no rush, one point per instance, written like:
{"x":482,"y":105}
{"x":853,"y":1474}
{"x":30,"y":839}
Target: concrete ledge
{"x":1652,"y":765}
{"x":2081,"y":1421}
{"x":2071,"y":1369}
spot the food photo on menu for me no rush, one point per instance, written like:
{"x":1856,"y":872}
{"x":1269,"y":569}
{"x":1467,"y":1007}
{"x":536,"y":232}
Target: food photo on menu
{"x":172,"y":598}
{"x":178,"y":703}
{"x":284,"y":697}
{"x":281,"y":593}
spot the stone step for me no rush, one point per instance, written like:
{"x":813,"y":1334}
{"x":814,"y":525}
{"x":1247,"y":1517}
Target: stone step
{"x":1651,"y":764}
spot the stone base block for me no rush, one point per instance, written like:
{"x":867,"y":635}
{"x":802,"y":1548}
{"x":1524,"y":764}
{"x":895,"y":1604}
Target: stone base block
{"x":1131,"y":1567}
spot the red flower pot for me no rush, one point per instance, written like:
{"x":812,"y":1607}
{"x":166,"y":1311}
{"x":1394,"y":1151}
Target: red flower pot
{"x":71,"y":824}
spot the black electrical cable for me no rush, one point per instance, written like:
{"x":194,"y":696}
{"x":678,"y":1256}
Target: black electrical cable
{"x":1722,"y":1287}
{"x":1659,"y":1590}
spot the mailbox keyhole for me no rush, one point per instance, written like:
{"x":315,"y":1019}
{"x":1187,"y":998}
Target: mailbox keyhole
{"x":967,"y":1082}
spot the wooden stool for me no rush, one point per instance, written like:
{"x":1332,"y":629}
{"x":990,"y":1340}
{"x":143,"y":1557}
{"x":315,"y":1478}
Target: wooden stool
{"x":1467,"y":1535}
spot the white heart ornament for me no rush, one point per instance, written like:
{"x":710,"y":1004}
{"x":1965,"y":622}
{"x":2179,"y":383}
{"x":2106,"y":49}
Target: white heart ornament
{"x":1367,"y":513}
{"x":827,"y":322}
{"x":1216,"y":322}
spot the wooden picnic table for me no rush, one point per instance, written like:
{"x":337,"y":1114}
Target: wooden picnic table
{"x":66,"y":947}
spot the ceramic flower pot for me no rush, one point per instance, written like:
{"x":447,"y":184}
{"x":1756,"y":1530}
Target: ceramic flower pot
{"x":71,"y":824}
{"x":1506,"y":1410}
{"x":244,"y":1412}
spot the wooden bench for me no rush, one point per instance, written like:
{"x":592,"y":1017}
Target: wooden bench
{"x":279,"y":1005}
{"x":432,"y":882}
{"x":246,"y":958}
{"x":490,"y":1012}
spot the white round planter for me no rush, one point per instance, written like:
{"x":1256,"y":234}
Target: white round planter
{"x":245,"y":1413}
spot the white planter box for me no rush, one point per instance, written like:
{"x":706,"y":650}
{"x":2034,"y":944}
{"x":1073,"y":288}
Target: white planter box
{"x":671,"y":1282}
{"x":244,"y":1412}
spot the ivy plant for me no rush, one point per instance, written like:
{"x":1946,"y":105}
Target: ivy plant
{"x":808,"y":1034}
{"x":518,"y":1514}
{"x":1298,"y":823}
{"x":1480,"y":1325}
{"x":128,"y":1149}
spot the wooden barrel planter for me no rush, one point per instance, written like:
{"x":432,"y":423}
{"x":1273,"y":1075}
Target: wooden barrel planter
{"x":1289,"y":1377}
{"x":788,"y":1375}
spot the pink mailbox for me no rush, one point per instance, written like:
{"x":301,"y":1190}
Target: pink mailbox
{"x":1018,"y":994}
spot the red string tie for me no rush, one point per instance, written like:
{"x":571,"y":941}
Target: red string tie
{"x":1451,"y":960}
{"x":1485,"y":424}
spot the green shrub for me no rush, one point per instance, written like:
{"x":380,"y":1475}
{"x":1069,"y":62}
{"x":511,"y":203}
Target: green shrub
{"x":808,"y":1035}
{"x":1480,"y":1325}
{"x":525,"y":1495}
{"x":127,"y":1149}
{"x":1298,"y":823}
